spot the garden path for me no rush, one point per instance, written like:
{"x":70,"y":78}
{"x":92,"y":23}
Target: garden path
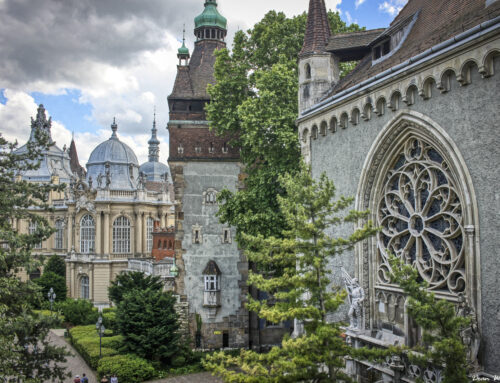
{"x":203,"y":377}
{"x":75,"y":364}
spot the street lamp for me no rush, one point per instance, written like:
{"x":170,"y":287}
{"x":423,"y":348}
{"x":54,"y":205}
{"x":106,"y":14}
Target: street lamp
{"x":100,"y":329}
{"x":52,"y":297}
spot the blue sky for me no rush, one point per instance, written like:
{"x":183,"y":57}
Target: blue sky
{"x":119,"y":61}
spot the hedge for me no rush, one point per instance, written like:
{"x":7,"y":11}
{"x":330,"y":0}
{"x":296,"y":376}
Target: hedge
{"x":128,"y":368}
{"x":86,"y":341}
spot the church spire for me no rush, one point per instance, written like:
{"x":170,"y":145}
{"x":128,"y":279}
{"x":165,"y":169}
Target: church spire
{"x":318,"y":29}
{"x":154,"y":143}
{"x":210,"y":25}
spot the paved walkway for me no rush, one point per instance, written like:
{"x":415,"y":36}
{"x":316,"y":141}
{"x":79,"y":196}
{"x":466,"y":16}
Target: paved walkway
{"x":203,"y":377}
{"x":75,"y":364}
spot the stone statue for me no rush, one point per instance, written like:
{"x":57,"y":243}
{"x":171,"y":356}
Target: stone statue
{"x":99,"y":181}
{"x":90,"y":182}
{"x":84,"y":204}
{"x":141,"y":183}
{"x":356,"y":298}
{"x":108,"y":179}
{"x":470,"y":335}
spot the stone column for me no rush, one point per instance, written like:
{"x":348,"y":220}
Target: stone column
{"x":98,"y":233}
{"x":138,"y":233}
{"x":106,"y":237}
{"x":69,"y":233}
{"x":162,"y":218}
{"x":144,"y":234}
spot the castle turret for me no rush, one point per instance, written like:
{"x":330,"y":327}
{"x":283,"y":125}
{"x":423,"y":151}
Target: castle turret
{"x":318,"y":68}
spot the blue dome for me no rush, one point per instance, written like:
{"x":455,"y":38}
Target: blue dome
{"x":155,"y":171}
{"x":118,"y":159}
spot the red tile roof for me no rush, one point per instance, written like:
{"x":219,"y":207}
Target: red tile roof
{"x":318,"y":29}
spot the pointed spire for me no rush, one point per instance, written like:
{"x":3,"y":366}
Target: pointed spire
{"x":114,"y":128}
{"x":318,"y":29}
{"x":41,"y":123}
{"x":76,"y":168}
{"x":154,"y":143}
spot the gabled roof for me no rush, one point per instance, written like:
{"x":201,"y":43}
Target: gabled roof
{"x":318,"y":29}
{"x":211,"y":268}
{"x":437,"y":21}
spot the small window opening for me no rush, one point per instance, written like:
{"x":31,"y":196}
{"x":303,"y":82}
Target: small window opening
{"x":308,"y":71}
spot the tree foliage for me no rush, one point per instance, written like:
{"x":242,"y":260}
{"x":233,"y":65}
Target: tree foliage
{"x":25,"y":354}
{"x":79,"y":312}
{"x":254,"y":101}
{"x":125,"y":283}
{"x":148,"y":322}
{"x":50,"y":280}
{"x":299,"y":286}
{"x":442,"y":343}
{"x":56,"y":265}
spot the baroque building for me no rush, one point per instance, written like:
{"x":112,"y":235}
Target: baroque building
{"x":412,"y":133}
{"x":106,"y":216}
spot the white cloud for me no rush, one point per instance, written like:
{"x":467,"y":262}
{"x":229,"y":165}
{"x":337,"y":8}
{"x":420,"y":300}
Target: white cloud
{"x":348,"y":17}
{"x":392,"y":7}
{"x":357,"y":3}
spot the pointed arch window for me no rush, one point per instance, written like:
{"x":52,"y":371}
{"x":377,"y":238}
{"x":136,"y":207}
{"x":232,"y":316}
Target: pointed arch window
{"x":87,"y":234}
{"x":121,"y":235}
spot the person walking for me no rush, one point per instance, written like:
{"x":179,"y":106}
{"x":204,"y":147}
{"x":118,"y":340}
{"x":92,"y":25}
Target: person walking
{"x":84,"y":379}
{"x":77,"y":379}
{"x":114,"y":379}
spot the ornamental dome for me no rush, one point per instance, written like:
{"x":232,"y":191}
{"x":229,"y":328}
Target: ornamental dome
{"x":183,"y":50}
{"x":116,"y":161}
{"x":210,"y":17}
{"x":154,"y":170}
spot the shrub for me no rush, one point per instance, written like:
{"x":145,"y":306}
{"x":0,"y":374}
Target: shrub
{"x":109,"y":319}
{"x":56,"y":265}
{"x":128,"y":368}
{"x":85,"y":339}
{"x":57,"y":316}
{"x":51,"y":280}
{"x":79,"y":312}
{"x":178,"y":361}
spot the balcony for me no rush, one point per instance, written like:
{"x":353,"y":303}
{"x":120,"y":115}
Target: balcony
{"x":211,"y":298}
{"x":148,"y":267}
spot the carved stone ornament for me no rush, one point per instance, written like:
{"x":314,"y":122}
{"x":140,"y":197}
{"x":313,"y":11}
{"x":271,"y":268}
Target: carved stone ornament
{"x":356,"y":296}
{"x":421,"y":218}
{"x":84,"y":196}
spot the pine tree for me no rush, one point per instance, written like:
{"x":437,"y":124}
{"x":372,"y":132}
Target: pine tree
{"x":442,"y":345}
{"x":294,"y":271}
{"x":25,"y":354}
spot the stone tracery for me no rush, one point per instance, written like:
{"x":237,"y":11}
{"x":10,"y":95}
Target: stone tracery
{"x":420,"y":213}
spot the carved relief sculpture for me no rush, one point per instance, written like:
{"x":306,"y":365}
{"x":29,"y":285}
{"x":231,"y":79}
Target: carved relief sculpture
{"x":356,"y":296}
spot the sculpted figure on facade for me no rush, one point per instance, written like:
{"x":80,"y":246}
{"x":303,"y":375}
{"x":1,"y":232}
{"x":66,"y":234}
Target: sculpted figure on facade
{"x":356,"y":296}
{"x":470,"y":335}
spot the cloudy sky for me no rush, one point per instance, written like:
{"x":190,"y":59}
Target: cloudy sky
{"x":88,"y":61}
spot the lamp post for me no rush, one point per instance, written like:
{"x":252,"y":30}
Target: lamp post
{"x":52,"y":297}
{"x":100,"y":329}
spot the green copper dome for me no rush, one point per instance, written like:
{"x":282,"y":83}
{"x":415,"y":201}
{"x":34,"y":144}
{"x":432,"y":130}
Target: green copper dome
{"x":210,"y":17}
{"x":183,"y":50}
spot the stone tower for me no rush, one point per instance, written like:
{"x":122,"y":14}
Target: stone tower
{"x":202,"y":164}
{"x":318,"y":69}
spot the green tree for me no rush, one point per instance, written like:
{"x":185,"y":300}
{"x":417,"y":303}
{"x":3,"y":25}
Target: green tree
{"x":25,"y":354}
{"x":442,"y":344}
{"x":299,"y":284}
{"x":56,"y":265}
{"x":79,"y":312}
{"x":148,"y":322}
{"x":254,"y":101}
{"x":52,"y":280}
{"x":125,"y":283}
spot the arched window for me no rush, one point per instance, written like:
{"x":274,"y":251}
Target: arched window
{"x":84,"y":287}
{"x":87,"y":234}
{"x":211,"y":197}
{"x":121,"y":235}
{"x":308,"y":71}
{"x":59,"y":235}
{"x":149,"y":234}
{"x":33,"y":226}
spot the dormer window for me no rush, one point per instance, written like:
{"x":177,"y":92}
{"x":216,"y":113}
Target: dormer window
{"x":382,"y":49}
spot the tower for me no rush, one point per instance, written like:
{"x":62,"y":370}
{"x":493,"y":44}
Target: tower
{"x":318,"y":68}
{"x":202,"y":164}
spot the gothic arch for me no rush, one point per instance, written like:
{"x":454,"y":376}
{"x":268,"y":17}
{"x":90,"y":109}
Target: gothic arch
{"x":381,"y":165}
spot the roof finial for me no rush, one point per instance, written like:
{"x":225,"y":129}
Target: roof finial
{"x":114,"y":127}
{"x":154,"y":118}
{"x":183,"y":34}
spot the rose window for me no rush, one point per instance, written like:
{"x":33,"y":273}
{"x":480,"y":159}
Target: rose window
{"x":420,"y":214}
